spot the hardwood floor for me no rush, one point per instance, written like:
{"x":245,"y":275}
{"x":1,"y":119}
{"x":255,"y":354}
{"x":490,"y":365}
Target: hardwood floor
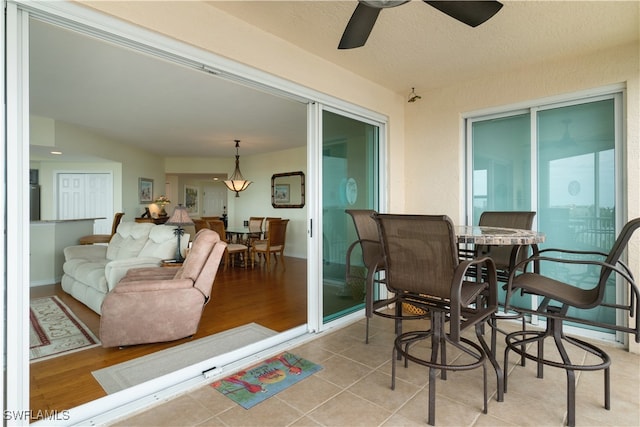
{"x":276,"y":300}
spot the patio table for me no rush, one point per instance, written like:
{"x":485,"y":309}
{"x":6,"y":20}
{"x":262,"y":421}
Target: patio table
{"x":496,"y":236}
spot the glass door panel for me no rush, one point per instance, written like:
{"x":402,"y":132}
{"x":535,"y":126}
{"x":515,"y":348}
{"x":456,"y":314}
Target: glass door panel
{"x":576,"y":198}
{"x":502,"y":171}
{"x":349,"y":181}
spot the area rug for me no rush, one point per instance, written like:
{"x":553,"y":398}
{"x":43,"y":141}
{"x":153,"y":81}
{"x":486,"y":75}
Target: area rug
{"x":249,"y":387}
{"x":126,"y":374}
{"x":55,"y":330}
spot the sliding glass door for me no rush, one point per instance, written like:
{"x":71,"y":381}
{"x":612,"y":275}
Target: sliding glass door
{"x":350,"y":156}
{"x":560,"y":161}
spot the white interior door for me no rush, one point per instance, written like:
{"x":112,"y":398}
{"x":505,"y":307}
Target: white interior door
{"x":86,"y":195}
{"x":214,"y":200}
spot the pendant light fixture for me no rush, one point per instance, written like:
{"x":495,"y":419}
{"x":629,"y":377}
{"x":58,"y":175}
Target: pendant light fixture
{"x":237,"y":182}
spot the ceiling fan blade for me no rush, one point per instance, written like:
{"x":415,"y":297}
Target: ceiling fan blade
{"x":472,"y":13}
{"x":359,"y":27}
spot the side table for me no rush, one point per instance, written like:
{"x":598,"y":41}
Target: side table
{"x":171,"y":263}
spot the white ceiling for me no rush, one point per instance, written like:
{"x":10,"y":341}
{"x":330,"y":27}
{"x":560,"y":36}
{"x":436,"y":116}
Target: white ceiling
{"x":173,"y":110}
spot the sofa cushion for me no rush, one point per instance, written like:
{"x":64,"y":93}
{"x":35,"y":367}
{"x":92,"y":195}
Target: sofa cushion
{"x":129,"y":240}
{"x":162,"y":243}
{"x":90,"y":271}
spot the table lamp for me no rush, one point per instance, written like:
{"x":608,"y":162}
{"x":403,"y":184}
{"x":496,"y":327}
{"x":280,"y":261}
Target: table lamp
{"x":179,"y":217}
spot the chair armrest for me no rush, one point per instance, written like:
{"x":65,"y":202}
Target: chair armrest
{"x":151,"y":285}
{"x":117,"y":269}
{"x":85,"y":252}
{"x":461,"y":298}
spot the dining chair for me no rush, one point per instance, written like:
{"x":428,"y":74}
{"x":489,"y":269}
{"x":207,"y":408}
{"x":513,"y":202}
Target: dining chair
{"x":232,"y":248}
{"x":505,"y":258}
{"x":274,"y":244}
{"x":421,"y":261}
{"x":200,"y":224}
{"x":560,"y":299}
{"x":371,"y":251}
{"x":103,"y":238}
{"x":255,"y":229}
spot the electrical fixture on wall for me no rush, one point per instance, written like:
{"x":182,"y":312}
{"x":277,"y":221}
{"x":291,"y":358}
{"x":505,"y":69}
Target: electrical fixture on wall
{"x":413,"y":96}
{"x":237,"y":182}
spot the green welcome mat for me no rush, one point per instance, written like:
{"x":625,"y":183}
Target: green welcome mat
{"x":250,"y":387}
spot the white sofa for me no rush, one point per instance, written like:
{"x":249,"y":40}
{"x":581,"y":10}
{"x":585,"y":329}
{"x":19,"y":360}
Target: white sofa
{"x":91,"y":271}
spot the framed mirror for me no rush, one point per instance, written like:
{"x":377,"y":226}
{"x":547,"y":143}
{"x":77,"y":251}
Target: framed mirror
{"x":287,"y":190}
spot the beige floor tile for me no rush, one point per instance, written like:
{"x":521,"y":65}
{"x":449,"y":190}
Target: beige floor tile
{"x":374,"y":354}
{"x":522,"y":410}
{"x":313,"y":351}
{"x":376,"y":388}
{"x":212,"y":399}
{"x":181,"y":411}
{"x":347,"y":409}
{"x":342,"y":371}
{"x":467,"y":387}
{"x":309,"y":393}
{"x":271,"y":412}
{"x":487,"y":420}
{"x":552,"y":388}
{"x":211,"y":422}
{"x":339,"y":341}
{"x":397,"y":420}
{"x":448,"y":412}
{"x":305,"y":422}
{"x":364,"y":370}
{"x":413,"y":373}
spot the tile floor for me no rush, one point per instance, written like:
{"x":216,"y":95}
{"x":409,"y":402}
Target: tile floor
{"x":353,"y":389}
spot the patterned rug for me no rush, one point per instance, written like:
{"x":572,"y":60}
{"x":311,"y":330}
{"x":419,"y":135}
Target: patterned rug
{"x":56,"y":331}
{"x":252,"y":386}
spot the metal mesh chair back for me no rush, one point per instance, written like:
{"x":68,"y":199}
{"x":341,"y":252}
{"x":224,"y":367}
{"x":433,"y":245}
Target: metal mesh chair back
{"x":368,"y":235}
{"x":420,"y":253}
{"x":501,"y":255}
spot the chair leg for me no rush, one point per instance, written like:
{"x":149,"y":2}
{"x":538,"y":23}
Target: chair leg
{"x":496,"y":366}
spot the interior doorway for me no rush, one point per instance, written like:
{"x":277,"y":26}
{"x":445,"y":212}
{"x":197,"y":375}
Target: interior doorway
{"x":86,"y":195}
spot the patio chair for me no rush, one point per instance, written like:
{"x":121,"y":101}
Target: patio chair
{"x":421,"y":261}
{"x":558,"y":297}
{"x":372,"y":259}
{"x":506,"y":257}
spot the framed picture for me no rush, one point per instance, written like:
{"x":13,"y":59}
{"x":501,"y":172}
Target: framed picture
{"x":282,"y":194}
{"x":191,"y":199}
{"x":145,"y":190}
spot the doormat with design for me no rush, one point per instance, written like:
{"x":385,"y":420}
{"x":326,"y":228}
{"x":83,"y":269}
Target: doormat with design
{"x":55,"y":330}
{"x":250,"y":387}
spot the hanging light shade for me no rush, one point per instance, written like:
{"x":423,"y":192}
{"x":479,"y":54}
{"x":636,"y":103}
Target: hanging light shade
{"x":237,"y":182}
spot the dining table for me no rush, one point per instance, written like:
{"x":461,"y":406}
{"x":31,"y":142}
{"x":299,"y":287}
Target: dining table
{"x":497,"y":236}
{"x":241,"y":234}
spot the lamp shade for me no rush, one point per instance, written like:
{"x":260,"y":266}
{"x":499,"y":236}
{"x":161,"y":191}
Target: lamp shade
{"x":180,"y":217}
{"x":237,"y":182}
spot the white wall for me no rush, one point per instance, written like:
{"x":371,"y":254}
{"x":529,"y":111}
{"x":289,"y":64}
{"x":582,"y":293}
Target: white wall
{"x":126,"y":163}
{"x":256,"y":200}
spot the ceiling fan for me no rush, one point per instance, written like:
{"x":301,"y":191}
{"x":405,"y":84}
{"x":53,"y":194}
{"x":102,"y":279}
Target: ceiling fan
{"x":472,"y":13}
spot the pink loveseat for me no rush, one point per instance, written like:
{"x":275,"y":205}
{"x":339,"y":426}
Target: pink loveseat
{"x":160,"y":304}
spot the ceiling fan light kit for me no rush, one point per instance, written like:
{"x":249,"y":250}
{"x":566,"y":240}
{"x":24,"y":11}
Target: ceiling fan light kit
{"x":472,"y":13}
{"x":413,"y":96}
